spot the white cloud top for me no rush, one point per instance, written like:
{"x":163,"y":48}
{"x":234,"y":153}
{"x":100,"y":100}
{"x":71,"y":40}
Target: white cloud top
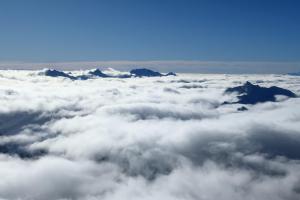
{"x":146,"y":138}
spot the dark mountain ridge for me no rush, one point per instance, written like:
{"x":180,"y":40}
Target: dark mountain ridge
{"x":252,"y":94}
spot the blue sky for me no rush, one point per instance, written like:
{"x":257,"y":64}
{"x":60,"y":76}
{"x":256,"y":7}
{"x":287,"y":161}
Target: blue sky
{"x":147,"y":30}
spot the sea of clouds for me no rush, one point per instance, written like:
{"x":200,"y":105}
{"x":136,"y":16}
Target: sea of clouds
{"x":146,"y":138}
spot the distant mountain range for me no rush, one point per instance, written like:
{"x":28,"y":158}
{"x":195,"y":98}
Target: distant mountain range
{"x":142,"y":72}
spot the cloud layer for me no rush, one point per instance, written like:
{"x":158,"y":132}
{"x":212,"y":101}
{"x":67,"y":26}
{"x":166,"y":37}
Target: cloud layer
{"x":146,"y":138}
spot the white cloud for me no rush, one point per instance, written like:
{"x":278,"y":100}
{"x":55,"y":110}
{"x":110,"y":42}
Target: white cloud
{"x":145,"y":138}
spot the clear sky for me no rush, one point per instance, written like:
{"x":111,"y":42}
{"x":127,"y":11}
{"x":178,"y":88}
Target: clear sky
{"x":147,"y":30}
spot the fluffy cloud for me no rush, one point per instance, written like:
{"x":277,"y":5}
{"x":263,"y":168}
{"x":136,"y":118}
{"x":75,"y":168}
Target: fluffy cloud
{"x":146,"y":138}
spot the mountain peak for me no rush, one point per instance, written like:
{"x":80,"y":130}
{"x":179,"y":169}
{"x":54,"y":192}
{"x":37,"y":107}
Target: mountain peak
{"x":97,"y":72}
{"x":145,"y":72}
{"x":252,"y":94}
{"x":56,"y":73}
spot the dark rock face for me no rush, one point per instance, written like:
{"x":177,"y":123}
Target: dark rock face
{"x":294,"y":74}
{"x":98,"y":73}
{"x":56,"y":73}
{"x":145,"y":73}
{"x":243,"y":108}
{"x":252,"y":94}
{"x":171,"y":74}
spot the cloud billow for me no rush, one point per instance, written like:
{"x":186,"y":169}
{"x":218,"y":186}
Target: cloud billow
{"x":135,"y":139}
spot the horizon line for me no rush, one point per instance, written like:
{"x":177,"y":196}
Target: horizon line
{"x":185,"y":66}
